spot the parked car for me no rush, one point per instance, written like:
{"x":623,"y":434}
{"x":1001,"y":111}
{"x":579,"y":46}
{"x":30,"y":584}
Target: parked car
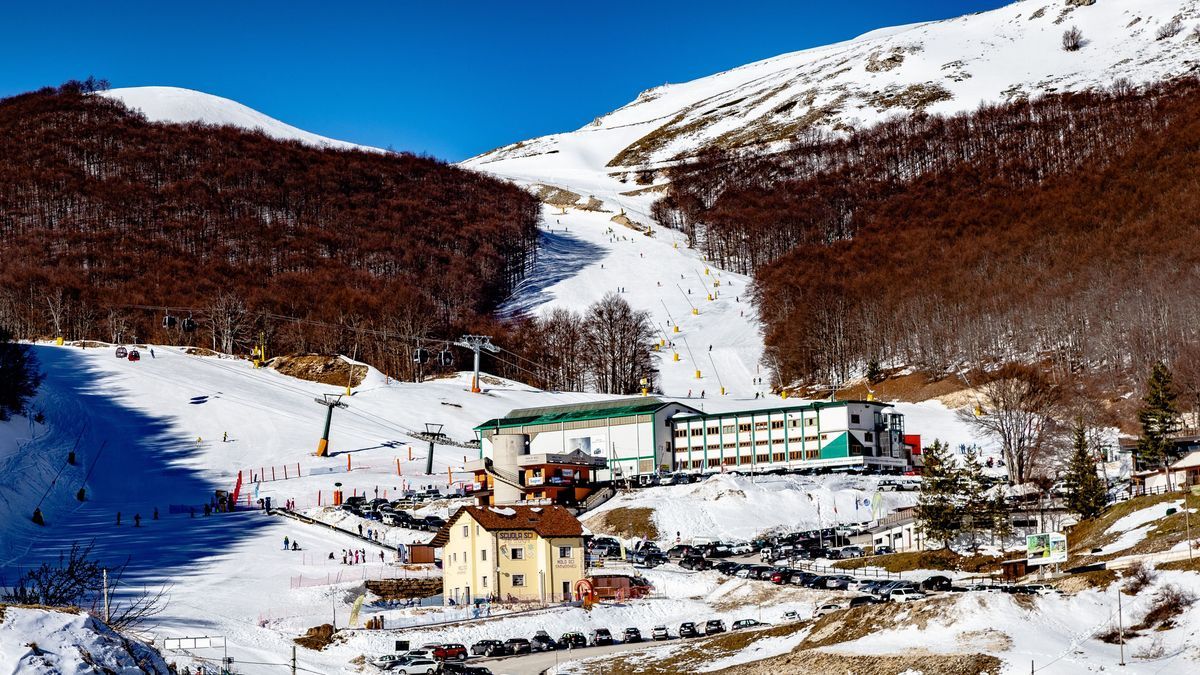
{"x":660,"y":633}
{"x":387,"y":661}
{"x":851,"y":552}
{"x":572,"y":640}
{"x":601,"y":638}
{"x":688,"y":629}
{"x":864,"y":600}
{"x":1040,"y":589}
{"x":716,"y":551}
{"x":518,"y":646}
{"x":463,"y":669}
{"x":432,"y":523}
{"x":682,"y":551}
{"x":417,"y":666}
{"x":542,"y":642}
{"x":791,"y":616}
{"x":654,"y":559}
{"x":450,"y":651}
{"x":781,"y":576}
{"x":488,"y":648}
{"x":883,"y":550}
{"x":741,"y":548}
{"x":838,"y":582}
{"x":631,"y":635}
{"x":904,"y":595}
{"x":714,"y":626}
{"x":936,"y":582}
{"x":694,"y":562}
{"x":725,"y":566}
{"x":747,"y":623}
{"x":801,"y":578}
{"x":828,"y":608}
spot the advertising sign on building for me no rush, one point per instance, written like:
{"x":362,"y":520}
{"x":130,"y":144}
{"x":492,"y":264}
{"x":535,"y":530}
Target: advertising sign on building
{"x":1046,"y":548}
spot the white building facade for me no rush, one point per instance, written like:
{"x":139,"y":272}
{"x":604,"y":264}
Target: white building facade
{"x":632,"y":435}
{"x":822,"y":434}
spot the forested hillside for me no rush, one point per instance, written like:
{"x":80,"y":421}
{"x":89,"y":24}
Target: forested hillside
{"x":1062,"y":228}
{"x":101,"y":210}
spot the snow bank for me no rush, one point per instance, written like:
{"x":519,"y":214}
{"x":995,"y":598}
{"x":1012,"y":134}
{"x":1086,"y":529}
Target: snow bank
{"x":64,"y":642}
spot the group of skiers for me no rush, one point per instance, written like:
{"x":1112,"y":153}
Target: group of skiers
{"x":373,"y":535}
{"x":137,"y":518}
{"x":295,"y":544}
{"x":355,"y":556}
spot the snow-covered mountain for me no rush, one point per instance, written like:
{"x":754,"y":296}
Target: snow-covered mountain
{"x":177,"y":105}
{"x":940,"y":67}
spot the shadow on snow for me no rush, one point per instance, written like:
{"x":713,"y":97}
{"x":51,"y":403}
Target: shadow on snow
{"x":560,"y":256}
{"x":141,"y":466}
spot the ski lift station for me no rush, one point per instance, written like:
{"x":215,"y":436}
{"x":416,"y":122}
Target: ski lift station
{"x":647,"y":435}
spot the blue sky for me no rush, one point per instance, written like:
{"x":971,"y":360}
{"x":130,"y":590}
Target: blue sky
{"x":450,"y":79}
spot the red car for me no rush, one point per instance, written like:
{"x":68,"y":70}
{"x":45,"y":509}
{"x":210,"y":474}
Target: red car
{"x":449,"y":652}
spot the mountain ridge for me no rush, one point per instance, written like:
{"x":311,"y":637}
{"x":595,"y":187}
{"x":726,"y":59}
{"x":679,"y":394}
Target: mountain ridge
{"x":944,"y":67}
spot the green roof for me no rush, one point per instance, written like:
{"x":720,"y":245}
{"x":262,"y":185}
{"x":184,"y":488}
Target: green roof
{"x":813,"y":405}
{"x":574,"y":413}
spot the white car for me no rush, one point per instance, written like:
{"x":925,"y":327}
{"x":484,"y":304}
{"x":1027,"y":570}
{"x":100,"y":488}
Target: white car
{"x":1042,"y":589}
{"x":828,"y":609}
{"x":741,"y":549}
{"x":905,"y":595}
{"x":418,"y":667}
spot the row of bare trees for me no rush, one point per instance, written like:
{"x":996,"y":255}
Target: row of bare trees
{"x":1058,"y":229}
{"x":102,"y":212}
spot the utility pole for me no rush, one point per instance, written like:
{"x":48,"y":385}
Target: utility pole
{"x":107,"y":615}
{"x":1120,"y":628}
{"x":293,"y":659}
{"x":330,"y":401}
{"x":476,"y":343}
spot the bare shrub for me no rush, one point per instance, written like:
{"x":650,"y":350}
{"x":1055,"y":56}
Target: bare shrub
{"x":1138,"y":577}
{"x":1170,"y":29}
{"x":1169,"y":602}
{"x":1072,"y":39}
{"x":77,"y":581}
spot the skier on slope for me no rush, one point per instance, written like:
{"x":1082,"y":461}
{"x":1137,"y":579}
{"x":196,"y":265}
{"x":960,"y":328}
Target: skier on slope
{"x":285,"y":542}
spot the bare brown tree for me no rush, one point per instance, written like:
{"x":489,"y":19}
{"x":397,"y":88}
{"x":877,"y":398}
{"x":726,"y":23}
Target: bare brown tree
{"x":1018,"y":408}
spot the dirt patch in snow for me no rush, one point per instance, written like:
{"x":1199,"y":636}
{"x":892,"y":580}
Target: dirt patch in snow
{"x":624,"y":521}
{"x":826,"y":663}
{"x":317,"y":637}
{"x":859,"y":622}
{"x":320,"y":368}
{"x":201,"y":351}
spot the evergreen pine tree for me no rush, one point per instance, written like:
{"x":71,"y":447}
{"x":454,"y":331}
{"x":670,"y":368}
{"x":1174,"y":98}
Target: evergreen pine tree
{"x":19,"y":375}
{"x":972,"y":496}
{"x":1158,"y":418}
{"x":938,"y":514}
{"x":1086,"y":492}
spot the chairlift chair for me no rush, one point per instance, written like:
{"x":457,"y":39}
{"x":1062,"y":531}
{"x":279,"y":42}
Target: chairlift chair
{"x":446,"y":358}
{"x":169,"y":321}
{"x":135,"y":355}
{"x":122,"y":352}
{"x":188,"y":325}
{"x":420,"y":356}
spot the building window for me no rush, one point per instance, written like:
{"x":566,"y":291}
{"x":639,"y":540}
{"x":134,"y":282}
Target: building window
{"x":869,"y":436}
{"x":466,"y":531}
{"x":453,"y":557}
{"x":777,"y":424}
{"x":854,"y":419}
{"x":517,"y":554}
{"x":564,"y":551}
{"x":485,"y":581}
{"x":484,"y":554}
{"x":518,"y":580}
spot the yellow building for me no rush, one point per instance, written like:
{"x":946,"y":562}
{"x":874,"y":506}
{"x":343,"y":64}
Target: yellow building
{"x":510,"y":554}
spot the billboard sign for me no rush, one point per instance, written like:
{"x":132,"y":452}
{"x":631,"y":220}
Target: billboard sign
{"x":1046,"y":548}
